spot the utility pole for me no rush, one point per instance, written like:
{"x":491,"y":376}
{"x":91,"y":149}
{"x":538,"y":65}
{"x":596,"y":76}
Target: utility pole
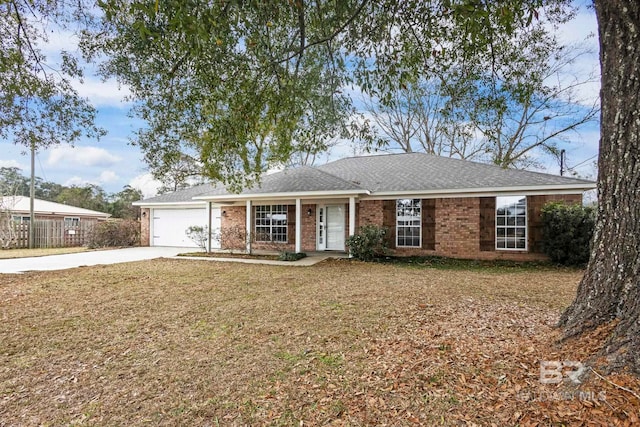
{"x":562,"y":162}
{"x":32,"y":195}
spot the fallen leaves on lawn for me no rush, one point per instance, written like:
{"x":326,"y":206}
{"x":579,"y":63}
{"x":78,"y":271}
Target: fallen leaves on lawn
{"x":193,"y":343}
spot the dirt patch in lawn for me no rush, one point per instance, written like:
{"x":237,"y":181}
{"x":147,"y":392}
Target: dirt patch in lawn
{"x":182,"y":342}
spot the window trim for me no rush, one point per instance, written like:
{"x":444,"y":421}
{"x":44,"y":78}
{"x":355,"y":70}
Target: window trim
{"x":71,"y":218}
{"x":21,"y":219}
{"x":419,"y":246}
{"x":285,"y":209}
{"x":515,"y":227}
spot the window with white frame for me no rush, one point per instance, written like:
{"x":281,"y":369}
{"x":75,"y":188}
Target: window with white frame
{"x":511,"y":223}
{"x":21,"y":219}
{"x":408,"y":223}
{"x":71,"y":221}
{"x":271,"y":223}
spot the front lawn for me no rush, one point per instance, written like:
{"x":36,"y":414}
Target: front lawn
{"x":37,"y":252}
{"x":184,"y":342}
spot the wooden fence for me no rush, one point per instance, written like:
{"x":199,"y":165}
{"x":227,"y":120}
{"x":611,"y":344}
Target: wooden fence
{"x":47,"y":234}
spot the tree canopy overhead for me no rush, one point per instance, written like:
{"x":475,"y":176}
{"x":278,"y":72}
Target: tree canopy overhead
{"x":39,"y":105}
{"x":242,"y":85}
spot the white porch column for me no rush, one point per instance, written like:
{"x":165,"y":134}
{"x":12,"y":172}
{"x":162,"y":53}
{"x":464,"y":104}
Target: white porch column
{"x":248,"y":237}
{"x":208,"y":213}
{"x":298,"y":225}
{"x":352,"y":216}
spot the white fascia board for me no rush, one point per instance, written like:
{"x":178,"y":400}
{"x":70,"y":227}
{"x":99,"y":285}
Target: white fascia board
{"x":289,"y":195}
{"x":169,"y":205}
{"x":485,"y":192}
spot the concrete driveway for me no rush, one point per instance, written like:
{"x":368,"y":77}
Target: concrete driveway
{"x":62,"y":262}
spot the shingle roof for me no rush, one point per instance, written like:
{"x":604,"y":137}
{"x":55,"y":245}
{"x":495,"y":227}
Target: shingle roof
{"x":425,"y":172}
{"x":180,"y":196}
{"x":417,"y":172}
{"x":302,"y":179}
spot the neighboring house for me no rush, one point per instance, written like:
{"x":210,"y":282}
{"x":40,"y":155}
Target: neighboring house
{"x":432,"y":206}
{"x":19,"y":207}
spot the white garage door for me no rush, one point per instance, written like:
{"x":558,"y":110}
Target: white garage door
{"x":169,"y":226}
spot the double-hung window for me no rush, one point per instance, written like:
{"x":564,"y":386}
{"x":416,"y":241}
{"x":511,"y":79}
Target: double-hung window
{"x":271,"y":223}
{"x":408,"y":223}
{"x":511,"y":223}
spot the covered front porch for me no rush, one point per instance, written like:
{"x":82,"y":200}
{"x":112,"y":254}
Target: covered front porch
{"x":301,"y":224}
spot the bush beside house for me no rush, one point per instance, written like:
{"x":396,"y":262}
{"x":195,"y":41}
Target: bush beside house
{"x":114,"y":233}
{"x":369,"y":243}
{"x":567,"y":232}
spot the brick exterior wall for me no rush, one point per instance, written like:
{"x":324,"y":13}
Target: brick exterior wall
{"x":462,"y":227}
{"x":370,"y":212}
{"x":458,"y":227}
{"x":145,"y":227}
{"x":308,"y":228}
{"x":234,"y":221}
{"x":232,"y":226}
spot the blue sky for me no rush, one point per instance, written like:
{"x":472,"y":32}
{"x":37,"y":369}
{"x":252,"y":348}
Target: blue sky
{"x":112,"y":162}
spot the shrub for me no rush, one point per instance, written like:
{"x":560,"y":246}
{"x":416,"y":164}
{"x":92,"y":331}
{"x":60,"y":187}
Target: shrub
{"x":291,"y":256}
{"x":369,"y":243}
{"x":567,"y":231}
{"x":199,"y":235}
{"x":114,"y":233}
{"x":234,"y":238}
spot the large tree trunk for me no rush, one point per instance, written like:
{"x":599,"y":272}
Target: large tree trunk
{"x":610,"y":289}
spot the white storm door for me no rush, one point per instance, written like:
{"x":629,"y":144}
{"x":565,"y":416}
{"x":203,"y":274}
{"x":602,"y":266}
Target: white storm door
{"x":335,"y":227}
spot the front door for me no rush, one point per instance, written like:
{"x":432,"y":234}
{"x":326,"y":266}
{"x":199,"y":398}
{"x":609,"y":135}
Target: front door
{"x":331,"y":223}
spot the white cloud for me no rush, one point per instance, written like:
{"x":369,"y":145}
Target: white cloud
{"x":102,"y":93}
{"x":108,"y":176}
{"x":584,"y":26}
{"x":78,"y":181}
{"x":99,"y":93}
{"x":147,"y":184}
{"x":10,"y":164}
{"x":81,"y":156}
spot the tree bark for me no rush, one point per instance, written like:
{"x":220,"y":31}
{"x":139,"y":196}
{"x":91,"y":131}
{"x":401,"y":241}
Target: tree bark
{"x":610,"y":289}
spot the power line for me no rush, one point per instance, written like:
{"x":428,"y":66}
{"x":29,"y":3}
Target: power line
{"x":583,"y":162}
{"x":44,"y":175}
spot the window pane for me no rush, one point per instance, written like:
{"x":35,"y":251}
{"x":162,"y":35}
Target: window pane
{"x":271,"y":223}
{"x":511,"y":222}
{"x":408,"y":222}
